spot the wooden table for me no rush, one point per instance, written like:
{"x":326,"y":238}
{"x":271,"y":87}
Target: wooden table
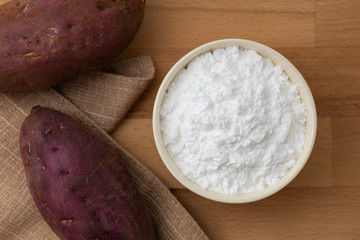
{"x":322,"y":39}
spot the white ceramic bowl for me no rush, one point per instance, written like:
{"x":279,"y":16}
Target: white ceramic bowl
{"x":294,"y":76}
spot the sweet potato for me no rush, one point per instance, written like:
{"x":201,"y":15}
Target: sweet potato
{"x":45,"y":42}
{"x":80,"y":185}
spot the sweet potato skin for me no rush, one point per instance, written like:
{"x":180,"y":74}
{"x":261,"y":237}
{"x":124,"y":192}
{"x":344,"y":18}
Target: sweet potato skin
{"x":80,"y":185}
{"x":45,"y":42}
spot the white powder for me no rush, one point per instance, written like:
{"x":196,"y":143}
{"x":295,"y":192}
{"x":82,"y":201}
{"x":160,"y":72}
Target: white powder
{"x":233,"y":122}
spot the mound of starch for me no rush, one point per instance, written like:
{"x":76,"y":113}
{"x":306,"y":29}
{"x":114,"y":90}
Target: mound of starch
{"x":233,"y":122}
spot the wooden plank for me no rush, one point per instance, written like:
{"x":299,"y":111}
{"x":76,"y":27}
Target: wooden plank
{"x":330,"y":72}
{"x":292,"y":213}
{"x":165,"y":27}
{"x":339,"y":107}
{"x":137,"y":137}
{"x":337,"y":23}
{"x":318,"y":170}
{"x":240,"y":5}
{"x":333,"y":75}
{"x":346,"y":153}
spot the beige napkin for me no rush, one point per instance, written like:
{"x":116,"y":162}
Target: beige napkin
{"x":100,"y":100}
{"x":104,"y":96}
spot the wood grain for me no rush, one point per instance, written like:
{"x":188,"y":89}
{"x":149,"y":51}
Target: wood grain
{"x":321,"y":38}
{"x":306,"y":6}
{"x":337,"y":23}
{"x":346,"y":153}
{"x":318,"y":171}
{"x":277,"y":27}
{"x":293,"y":213}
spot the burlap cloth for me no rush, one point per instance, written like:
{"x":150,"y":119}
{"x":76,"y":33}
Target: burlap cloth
{"x":99,"y":100}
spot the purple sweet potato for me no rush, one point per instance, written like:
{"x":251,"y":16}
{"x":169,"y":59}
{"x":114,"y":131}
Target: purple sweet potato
{"x":80,"y":185}
{"x":45,"y":42}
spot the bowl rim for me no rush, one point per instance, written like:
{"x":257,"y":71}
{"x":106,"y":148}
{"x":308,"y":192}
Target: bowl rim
{"x":294,"y":76}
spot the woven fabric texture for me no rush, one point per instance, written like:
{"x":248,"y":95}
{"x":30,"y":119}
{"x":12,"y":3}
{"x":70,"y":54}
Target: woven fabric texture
{"x":99,"y":100}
